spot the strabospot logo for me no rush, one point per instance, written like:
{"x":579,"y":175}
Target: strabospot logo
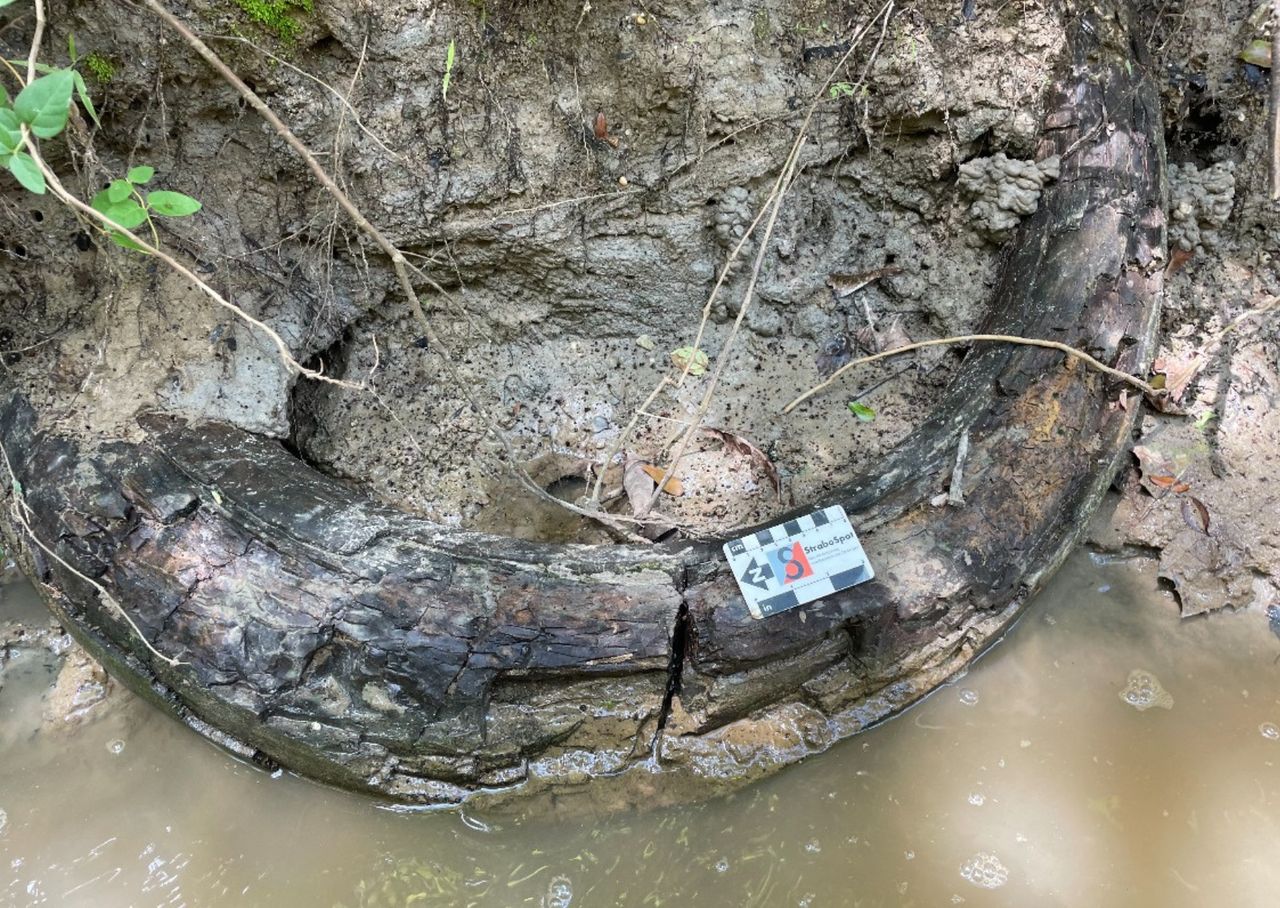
{"x":791,"y":563}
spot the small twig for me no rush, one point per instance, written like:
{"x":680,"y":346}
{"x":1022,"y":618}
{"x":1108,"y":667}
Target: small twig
{"x":972,"y":338}
{"x":1275,"y":101}
{"x":955,"y":493}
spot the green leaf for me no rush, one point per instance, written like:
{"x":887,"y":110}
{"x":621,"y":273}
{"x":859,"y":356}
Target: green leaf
{"x":4,"y":96}
{"x":141,"y":175}
{"x":121,"y":240}
{"x":4,"y":3}
{"x":44,"y":103}
{"x":172,"y":204}
{"x":71,"y":47}
{"x":862,"y":411}
{"x":118,"y":191}
{"x":127,"y":214}
{"x":24,"y":168}
{"x":10,"y":130}
{"x":694,"y":360}
{"x":449,"y":56}
{"x":82,"y":92}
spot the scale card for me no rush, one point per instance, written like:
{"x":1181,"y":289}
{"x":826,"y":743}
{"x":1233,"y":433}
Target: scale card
{"x":797,"y":562}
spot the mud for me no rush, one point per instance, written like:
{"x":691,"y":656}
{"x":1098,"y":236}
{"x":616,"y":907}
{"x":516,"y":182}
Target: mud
{"x":570,"y":268}
{"x":1222,"y":332}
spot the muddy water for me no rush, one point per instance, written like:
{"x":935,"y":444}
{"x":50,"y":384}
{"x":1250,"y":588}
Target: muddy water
{"x":1106,"y":753}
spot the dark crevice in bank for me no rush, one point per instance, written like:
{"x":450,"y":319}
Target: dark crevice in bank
{"x":675,"y":668}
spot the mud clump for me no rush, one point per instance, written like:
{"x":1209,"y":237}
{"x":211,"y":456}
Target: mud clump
{"x":1004,"y":191}
{"x":1200,"y":204}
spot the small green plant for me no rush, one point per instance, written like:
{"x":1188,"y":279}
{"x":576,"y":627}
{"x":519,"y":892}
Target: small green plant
{"x":102,"y":69}
{"x":43,"y":107}
{"x":277,"y":16}
{"x":124,"y":203}
{"x":840,"y":90}
{"x":449,"y":56}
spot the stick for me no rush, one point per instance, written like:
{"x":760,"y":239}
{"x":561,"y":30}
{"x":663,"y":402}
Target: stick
{"x":1275,"y":101}
{"x":955,"y":494}
{"x":971,"y":338}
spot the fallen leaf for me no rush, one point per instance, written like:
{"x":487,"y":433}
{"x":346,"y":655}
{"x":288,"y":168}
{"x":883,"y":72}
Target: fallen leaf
{"x":739,"y":445}
{"x":691,"y":360}
{"x":843,"y":285}
{"x":1177,"y":259}
{"x":1195,"y":514}
{"x":890,"y":338}
{"x":1178,"y":373}
{"x":1158,"y":473}
{"x":673,"y":485}
{"x":894,"y":336}
{"x":638,"y":486}
{"x":645,"y":341}
{"x":1161,"y":403}
{"x":862,"y":411}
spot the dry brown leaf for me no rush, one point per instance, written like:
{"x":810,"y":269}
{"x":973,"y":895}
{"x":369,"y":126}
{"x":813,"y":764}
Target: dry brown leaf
{"x":740,"y":445}
{"x":1177,"y":258}
{"x":1158,"y":473}
{"x":638,"y":486}
{"x":1195,"y":514}
{"x":673,"y":485}
{"x":843,"y":285}
{"x":1178,"y":373}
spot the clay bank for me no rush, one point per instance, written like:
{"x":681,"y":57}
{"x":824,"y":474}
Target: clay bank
{"x":366,"y":498}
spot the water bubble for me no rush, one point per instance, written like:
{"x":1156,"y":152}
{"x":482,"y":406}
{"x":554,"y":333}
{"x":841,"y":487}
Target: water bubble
{"x":1269,"y":731}
{"x":806,"y":900}
{"x":985,"y":871}
{"x":1105,"y":588}
{"x":1143,"y":691}
{"x":559,"y":893}
{"x":115,"y":746}
{"x":4,"y":820}
{"x":722,"y":865}
{"x":813,"y":846}
{"x":977,"y":799}
{"x":968,"y":696}
{"x":909,"y":855}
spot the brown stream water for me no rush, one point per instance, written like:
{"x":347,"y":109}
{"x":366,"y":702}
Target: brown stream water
{"x":1034,"y":780}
